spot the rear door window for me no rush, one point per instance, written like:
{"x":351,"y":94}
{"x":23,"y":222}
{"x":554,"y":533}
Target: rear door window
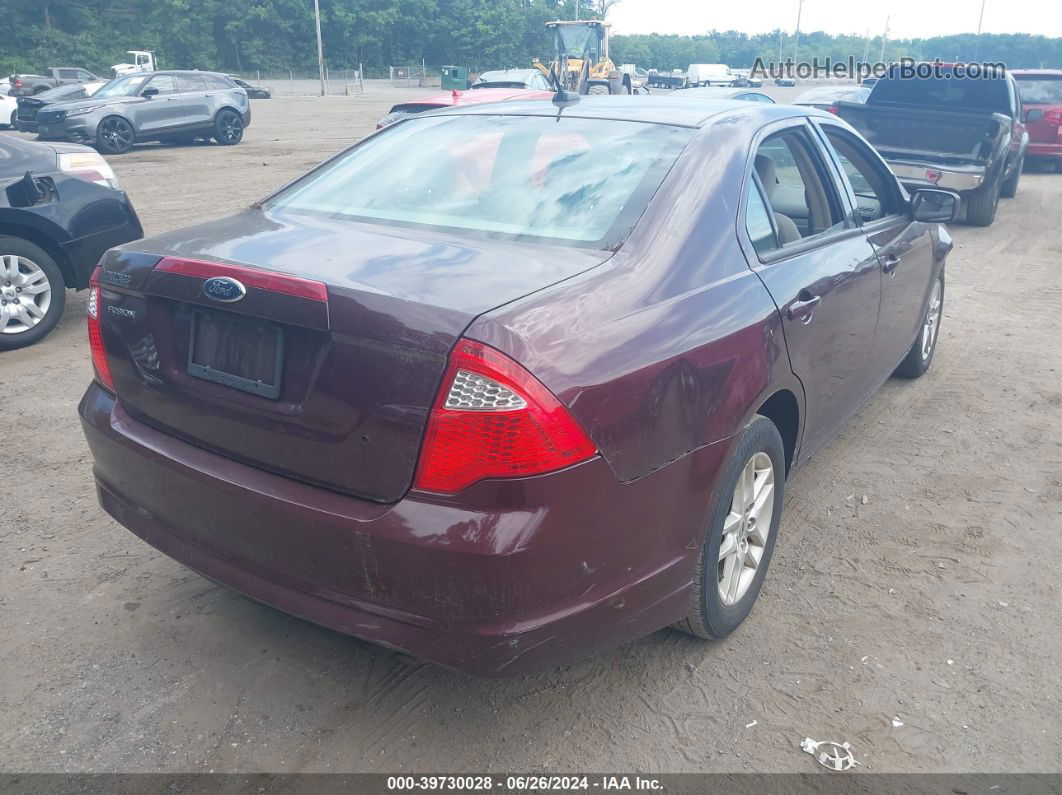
{"x":188,"y":84}
{"x":799,"y":191}
{"x":1040,"y":90}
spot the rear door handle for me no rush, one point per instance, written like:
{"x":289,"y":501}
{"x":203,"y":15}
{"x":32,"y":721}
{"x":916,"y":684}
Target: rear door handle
{"x":890,"y":263}
{"x":172,"y":99}
{"x":804,"y":307}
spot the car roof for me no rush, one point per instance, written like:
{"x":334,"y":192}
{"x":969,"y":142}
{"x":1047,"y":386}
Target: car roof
{"x":497,"y":74}
{"x":1036,"y":72}
{"x":675,"y":111}
{"x":477,"y":97}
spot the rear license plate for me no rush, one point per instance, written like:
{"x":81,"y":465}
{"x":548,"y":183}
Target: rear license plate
{"x":238,"y":352}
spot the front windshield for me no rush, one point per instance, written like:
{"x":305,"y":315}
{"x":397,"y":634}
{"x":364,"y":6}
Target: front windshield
{"x":582,"y":182}
{"x":123,"y":86}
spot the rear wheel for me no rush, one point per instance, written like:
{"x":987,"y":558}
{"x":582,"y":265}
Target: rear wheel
{"x":741,"y":533}
{"x":114,"y":136}
{"x":32,"y":293}
{"x":228,"y":128}
{"x":597,"y":90}
{"x":1010,"y":184}
{"x":982,"y":204}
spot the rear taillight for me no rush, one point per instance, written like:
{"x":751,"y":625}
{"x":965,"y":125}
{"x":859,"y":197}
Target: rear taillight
{"x":1053,"y":116}
{"x":493,"y":419}
{"x":99,"y":356}
{"x":831,"y":109}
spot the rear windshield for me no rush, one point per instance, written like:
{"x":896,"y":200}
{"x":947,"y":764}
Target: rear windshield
{"x":1040,"y":90}
{"x":582,"y":182}
{"x":944,"y":92}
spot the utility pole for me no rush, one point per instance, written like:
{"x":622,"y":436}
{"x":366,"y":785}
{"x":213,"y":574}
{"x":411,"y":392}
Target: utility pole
{"x":779,"y":48}
{"x":320,"y":46}
{"x":866,"y":47}
{"x":884,"y":38}
{"x":796,"y":43}
{"x":981,"y":18}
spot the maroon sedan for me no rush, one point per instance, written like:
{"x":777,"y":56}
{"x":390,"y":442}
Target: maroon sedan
{"x":500,"y":387}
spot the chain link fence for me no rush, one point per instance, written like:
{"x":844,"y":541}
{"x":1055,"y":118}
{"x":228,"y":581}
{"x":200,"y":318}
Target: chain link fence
{"x":343,"y":82}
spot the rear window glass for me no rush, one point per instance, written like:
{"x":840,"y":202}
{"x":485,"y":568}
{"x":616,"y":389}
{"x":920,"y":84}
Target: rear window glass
{"x":965,"y":93}
{"x":582,"y":182}
{"x":1040,"y":90}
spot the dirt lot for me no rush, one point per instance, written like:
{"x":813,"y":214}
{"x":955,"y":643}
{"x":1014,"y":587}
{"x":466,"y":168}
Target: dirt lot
{"x":935,"y":600}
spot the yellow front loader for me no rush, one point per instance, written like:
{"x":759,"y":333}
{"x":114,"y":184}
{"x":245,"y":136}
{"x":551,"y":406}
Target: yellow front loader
{"x":581,"y":62}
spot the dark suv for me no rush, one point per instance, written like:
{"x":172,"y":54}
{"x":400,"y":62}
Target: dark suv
{"x":151,"y":106}
{"x":61,"y":207}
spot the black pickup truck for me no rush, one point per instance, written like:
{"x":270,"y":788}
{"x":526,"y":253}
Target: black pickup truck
{"x":945,"y":130}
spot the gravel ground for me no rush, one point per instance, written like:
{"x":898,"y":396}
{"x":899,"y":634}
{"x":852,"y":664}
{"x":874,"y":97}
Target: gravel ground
{"x":916,"y":577}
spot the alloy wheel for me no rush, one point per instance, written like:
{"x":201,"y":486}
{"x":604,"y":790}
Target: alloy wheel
{"x":231,"y":127}
{"x":746,"y":528}
{"x":116,"y":135}
{"x":932,"y":322}
{"x":25,"y":294}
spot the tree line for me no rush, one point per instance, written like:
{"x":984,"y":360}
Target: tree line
{"x":248,"y":35}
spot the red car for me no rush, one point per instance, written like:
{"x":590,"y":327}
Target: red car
{"x":500,"y":387}
{"x":455,"y":98}
{"x":1041,"y":103}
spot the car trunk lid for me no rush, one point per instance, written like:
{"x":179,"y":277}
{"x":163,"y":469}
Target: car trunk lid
{"x":353,"y":323}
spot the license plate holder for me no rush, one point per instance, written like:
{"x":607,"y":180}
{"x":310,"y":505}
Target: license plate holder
{"x":237,"y":352}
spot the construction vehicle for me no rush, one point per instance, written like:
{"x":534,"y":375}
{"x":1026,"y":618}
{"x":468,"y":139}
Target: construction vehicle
{"x":581,"y":62}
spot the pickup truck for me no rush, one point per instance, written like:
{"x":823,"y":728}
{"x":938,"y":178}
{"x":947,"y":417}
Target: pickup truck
{"x":28,"y":85}
{"x":946,"y":130}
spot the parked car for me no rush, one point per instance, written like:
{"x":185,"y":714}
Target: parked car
{"x":502,"y":389}
{"x":253,"y":91}
{"x":151,"y":106}
{"x":530,"y":79}
{"x":827,"y":97}
{"x":786,"y":82}
{"x":28,"y":107}
{"x":746,"y":81}
{"x":5,"y":86}
{"x":709,"y":74}
{"x":724,"y":93}
{"x":1040,"y":91}
{"x":8,"y":110}
{"x":868,"y":82}
{"x":946,"y":130}
{"x":28,"y":85}
{"x":61,"y":207}
{"x":452,"y":99}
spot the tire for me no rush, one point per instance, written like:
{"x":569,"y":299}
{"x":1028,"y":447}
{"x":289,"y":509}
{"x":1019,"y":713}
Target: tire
{"x":35,"y":269}
{"x":982,"y":204}
{"x":1009,"y":188}
{"x":710,"y":617}
{"x":920,"y":357}
{"x":13,"y":124}
{"x":114,"y":136}
{"x":228,"y":127}
{"x":598,"y":90}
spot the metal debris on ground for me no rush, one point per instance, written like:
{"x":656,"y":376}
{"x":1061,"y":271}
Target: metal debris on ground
{"x":831,"y":755}
{"x":896,"y":723}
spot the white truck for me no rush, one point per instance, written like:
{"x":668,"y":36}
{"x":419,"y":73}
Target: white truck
{"x":709,"y":74}
{"x":143,"y":61}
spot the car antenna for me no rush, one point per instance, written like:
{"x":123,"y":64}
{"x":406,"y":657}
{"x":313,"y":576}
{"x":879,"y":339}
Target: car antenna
{"x":563,"y":98}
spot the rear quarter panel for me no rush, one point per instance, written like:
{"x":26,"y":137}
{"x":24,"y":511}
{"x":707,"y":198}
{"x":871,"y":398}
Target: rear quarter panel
{"x":672,"y":344}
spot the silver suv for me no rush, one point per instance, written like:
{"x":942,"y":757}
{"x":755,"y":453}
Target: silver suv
{"x":151,"y":106}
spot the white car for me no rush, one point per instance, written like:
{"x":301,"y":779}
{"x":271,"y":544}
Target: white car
{"x":8,"y":106}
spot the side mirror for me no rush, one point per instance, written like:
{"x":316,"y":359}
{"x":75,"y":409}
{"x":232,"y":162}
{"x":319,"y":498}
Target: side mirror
{"x":935,"y":206}
{"x":1034,"y":114}
{"x":149,"y":92}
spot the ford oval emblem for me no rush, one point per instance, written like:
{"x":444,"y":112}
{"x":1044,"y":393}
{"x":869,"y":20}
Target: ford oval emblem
{"x":222,"y":288}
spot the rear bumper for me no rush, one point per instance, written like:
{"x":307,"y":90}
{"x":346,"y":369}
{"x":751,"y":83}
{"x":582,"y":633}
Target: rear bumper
{"x":957,"y":178}
{"x":1051,"y":150}
{"x":517,"y":577}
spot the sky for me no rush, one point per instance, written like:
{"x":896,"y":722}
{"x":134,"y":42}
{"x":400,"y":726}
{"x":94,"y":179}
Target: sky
{"x":908,"y":18}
